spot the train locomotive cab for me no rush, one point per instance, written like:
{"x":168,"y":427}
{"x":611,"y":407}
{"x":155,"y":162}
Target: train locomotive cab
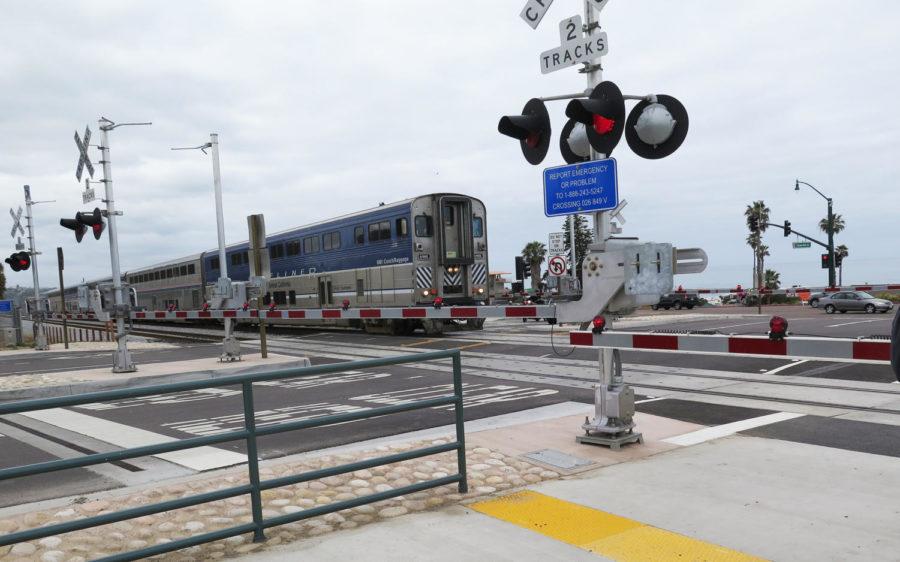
{"x":450,"y":252}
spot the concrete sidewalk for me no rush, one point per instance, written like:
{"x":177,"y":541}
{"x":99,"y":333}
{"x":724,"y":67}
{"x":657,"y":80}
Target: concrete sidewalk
{"x":756,"y":498}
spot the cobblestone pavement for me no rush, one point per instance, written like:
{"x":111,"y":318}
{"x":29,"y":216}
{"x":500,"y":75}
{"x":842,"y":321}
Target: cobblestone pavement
{"x":489,"y":471}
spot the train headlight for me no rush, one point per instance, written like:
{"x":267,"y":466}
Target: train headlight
{"x":480,"y":290}
{"x":425,"y":293}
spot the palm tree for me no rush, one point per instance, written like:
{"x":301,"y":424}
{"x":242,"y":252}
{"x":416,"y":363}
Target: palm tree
{"x":773,"y":279}
{"x":842,"y":251}
{"x":838,"y":224}
{"x":534,"y":253}
{"x":759,"y":210}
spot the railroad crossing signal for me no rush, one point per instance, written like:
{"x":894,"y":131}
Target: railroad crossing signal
{"x":655,"y":129}
{"x":82,"y":221}
{"x":19,"y":261}
{"x":83,"y":160}
{"x":602,"y":114}
{"x":531,"y":128}
{"x":17,"y":223}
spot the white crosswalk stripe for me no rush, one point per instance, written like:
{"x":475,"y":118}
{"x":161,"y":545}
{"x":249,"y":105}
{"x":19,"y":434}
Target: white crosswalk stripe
{"x":125,"y":436}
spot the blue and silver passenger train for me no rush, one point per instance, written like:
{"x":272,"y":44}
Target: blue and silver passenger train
{"x":400,"y":254}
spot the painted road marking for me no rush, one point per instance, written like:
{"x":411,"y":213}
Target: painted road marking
{"x":419,"y":343}
{"x":608,"y":535}
{"x":651,"y":400}
{"x":739,"y":325}
{"x":788,"y":366}
{"x":125,"y":436}
{"x":858,"y":322}
{"x":715,"y":432}
{"x":479,"y":344}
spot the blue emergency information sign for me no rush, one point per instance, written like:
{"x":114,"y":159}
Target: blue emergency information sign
{"x":581,"y":188}
{"x":5,"y":306}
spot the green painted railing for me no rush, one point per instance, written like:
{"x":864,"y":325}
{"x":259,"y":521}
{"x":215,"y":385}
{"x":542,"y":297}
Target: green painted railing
{"x":250,"y":434}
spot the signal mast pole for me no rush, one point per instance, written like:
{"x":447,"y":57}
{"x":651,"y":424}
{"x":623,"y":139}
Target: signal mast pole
{"x":122,"y":362}
{"x":37,"y":314}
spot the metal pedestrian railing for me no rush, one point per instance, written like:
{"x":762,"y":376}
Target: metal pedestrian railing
{"x":250,"y":433}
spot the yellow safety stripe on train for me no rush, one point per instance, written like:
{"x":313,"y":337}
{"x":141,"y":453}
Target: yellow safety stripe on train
{"x":612,"y":536}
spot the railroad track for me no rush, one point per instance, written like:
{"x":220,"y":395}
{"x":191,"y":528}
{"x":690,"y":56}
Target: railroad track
{"x":157,"y":333}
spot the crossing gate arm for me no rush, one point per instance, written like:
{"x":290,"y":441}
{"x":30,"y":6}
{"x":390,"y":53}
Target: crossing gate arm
{"x":824,"y":349}
{"x":386,"y":313}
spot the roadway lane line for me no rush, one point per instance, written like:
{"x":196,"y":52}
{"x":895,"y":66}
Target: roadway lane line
{"x":125,"y":436}
{"x":651,"y":400}
{"x":738,"y":325}
{"x":419,"y":343}
{"x":788,"y":366}
{"x":715,"y":432}
{"x":858,"y":322}
{"x":479,"y":344}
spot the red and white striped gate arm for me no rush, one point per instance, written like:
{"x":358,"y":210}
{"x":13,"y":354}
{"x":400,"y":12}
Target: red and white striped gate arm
{"x":829,"y":349}
{"x":387,"y":313}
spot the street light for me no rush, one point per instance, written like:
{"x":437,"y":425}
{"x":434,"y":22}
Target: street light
{"x":829,"y":230}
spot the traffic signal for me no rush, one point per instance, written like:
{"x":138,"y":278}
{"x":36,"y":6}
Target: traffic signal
{"x":81,"y":222}
{"x":531,"y":128}
{"x":753,"y":223}
{"x":602,"y":114}
{"x":520,"y":267}
{"x":656,"y":129}
{"x":527,"y":271}
{"x":838,"y":260}
{"x":19,"y":261}
{"x":826,"y":261}
{"x":573,"y":143}
{"x":787,"y":228}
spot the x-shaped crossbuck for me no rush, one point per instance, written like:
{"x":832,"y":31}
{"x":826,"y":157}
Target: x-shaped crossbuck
{"x":17,"y":223}
{"x":83,"y":160}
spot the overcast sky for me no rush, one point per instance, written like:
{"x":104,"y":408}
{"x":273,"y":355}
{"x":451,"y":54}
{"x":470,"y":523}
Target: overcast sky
{"x":325,"y":108}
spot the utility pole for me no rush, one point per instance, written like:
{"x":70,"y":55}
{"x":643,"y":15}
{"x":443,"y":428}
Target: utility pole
{"x":831,"y":278}
{"x":62,"y":296}
{"x":122,"y":362}
{"x":37,"y":314}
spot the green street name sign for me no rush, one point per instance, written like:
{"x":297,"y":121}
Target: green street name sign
{"x":802,"y":244}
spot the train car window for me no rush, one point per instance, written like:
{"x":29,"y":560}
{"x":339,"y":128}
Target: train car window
{"x":374,"y":233}
{"x":385,"y":228}
{"x":359,"y":234}
{"x":267,"y":299}
{"x":477,"y":227}
{"x":449,"y":218}
{"x":183,"y":270}
{"x":311,"y":245}
{"x":280,"y":297}
{"x":276,"y":252}
{"x":360,"y":288}
{"x":293,"y":247}
{"x":214,"y":263}
{"x":156,"y":276}
{"x":424,"y":226}
{"x":235,"y":259}
{"x":402,"y":228}
{"x":191,"y":269}
{"x":292,"y":297}
{"x":331,"y":240}
{"x":246,"y":256}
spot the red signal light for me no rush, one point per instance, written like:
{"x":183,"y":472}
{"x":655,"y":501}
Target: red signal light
{"x":438,"y":302}
{"x":599,"y":323}
{"x":433,"y":291}
{"x":345,"y":304}
{"x":778,"y":327}
{"x":603,"y":125}
{"x":532,"y":140}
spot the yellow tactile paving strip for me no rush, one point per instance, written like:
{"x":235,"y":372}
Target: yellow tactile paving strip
{"x":602,"y":533}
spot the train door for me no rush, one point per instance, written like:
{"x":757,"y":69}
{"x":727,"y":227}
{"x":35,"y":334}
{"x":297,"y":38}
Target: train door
{"x":326,"y":296}
{"x":456,"y":244}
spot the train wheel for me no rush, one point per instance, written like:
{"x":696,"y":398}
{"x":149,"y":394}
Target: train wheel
{"x":475,"y":323}
{"x":433,"y":327}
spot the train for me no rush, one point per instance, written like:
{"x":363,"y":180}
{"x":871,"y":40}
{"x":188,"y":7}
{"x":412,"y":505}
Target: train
{"x":406,"y":253}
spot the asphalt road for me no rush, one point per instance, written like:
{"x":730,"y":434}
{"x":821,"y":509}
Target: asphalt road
{"x":88,"y":429}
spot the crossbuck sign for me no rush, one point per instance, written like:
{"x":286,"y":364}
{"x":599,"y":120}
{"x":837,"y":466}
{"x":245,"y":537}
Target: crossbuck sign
{"x":17,"y":223}
{"x":83,"y":160}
